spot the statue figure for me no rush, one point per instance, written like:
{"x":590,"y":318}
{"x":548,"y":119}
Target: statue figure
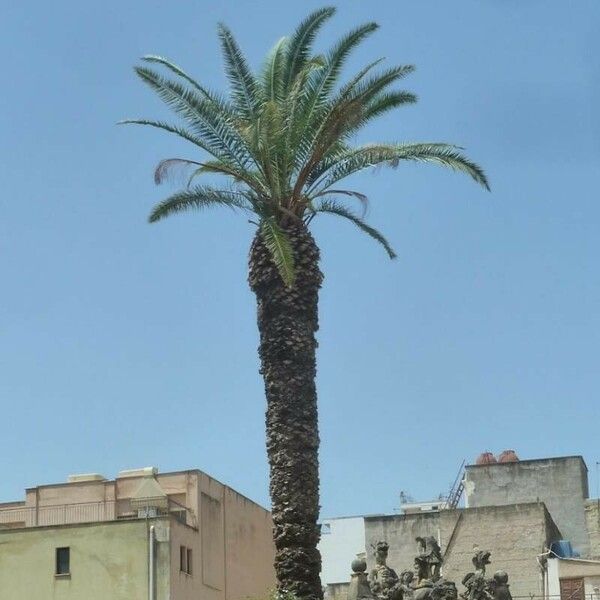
{"x":498,"y":586}
{"x":480,"y":560}
{"x":444,"y":590}
{"x":383,"y":580}
{"x":477,"y":586}
{"x":406,"y":585}
{"x":429,"y":560}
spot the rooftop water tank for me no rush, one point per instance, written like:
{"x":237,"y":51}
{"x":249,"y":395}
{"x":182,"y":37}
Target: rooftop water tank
{"x":508,"y":456}
{"x":486,"y":458}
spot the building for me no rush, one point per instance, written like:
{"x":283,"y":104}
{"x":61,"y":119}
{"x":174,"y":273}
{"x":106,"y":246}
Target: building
{"x":144,"y":535}
{"x":514,"y":508}
{"x":560,"y":483}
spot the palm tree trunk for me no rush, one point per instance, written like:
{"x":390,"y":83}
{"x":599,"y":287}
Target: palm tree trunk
{"x":287,"y":322}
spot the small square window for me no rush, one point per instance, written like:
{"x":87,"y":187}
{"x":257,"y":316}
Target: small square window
{"x":63,"y":561}
{"x":325,"y":528}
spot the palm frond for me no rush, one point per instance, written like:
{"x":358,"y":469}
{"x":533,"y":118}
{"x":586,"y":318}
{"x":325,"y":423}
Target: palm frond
{"x":170,"y":168}
{"x":362,"y":198}
{"x":280,"y":248}
{"x":334,"y":208}
{"x":321,"y":84}
{"x":152,"y":58}
{"x":272,"y":78}
{"x":179,"y":131}
{"x":252,"y":179}
{"x":338,"y":55}
{"x":385,"y":102}
{"x":391,"y":155}
{"x":198,"y":198}
{"x":209,"y":119}
{"x":300,"y":44}
{"x":244,"y":88}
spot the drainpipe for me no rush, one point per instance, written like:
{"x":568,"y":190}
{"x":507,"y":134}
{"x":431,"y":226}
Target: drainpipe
{"x":151,"y":563}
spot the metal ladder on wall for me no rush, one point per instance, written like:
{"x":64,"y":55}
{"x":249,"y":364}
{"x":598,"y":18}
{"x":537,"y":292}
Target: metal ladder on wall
{"x":457,"y":489}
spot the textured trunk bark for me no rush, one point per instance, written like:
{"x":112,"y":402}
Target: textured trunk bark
{"x":287,"y":322}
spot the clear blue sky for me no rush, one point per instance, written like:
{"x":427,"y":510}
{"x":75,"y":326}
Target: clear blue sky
{"x":126,"y":344}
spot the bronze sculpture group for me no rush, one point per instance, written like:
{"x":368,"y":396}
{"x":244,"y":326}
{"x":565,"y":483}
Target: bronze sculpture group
{"x":426,"y":581}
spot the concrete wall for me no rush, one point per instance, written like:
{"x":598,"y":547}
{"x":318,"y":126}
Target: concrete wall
{"x":592,"y":519}
{"x":108,"y":560}
{"x":560,"y":483}
{"x":514,"y":534}
{"x":233,"y":551}
{"x":341,"y":540}
{"x":249,"y":548}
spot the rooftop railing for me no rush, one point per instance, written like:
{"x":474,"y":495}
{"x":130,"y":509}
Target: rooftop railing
{"x":89,"y":512}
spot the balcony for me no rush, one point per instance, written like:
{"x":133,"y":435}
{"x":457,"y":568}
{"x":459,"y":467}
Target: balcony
{"x":18,"y":517}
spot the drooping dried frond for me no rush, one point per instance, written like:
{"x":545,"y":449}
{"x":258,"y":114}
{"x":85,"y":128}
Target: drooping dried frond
{"x":174,"y":169}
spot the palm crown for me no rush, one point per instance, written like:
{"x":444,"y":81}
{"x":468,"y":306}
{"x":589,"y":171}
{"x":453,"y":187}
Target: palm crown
{"x":283,"y":136}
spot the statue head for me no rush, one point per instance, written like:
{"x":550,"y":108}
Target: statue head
{"x":381,"y":552}
{"x":501,"y":577}
{"x":481,"y":559}
{"x":406,"y":577}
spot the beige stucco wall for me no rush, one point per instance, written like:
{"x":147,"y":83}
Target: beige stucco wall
{"x":514,"y":534}
{"x":108,"y":560}
{"x":232,"y":548}
{"x":250,"y":552}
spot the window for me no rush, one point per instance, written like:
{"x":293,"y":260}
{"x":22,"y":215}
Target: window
{"x":189,"y":561}
{"x":185,"y":560}
{"x":325,"y":528}
{"x":63,"y":561}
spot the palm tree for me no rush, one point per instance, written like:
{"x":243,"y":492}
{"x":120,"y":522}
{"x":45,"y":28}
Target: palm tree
{"x":282,"y":139}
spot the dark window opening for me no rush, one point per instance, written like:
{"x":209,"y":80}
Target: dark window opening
{"x":185,"y":560}
{"x":182,"y":559}
{"x":63,"y":561}
{"x":189,"y":561}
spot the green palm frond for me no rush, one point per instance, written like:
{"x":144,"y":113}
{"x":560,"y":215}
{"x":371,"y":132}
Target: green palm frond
{"x":338,"y":55}
{"x":278,"y":245}
{"x":362,"y":198}
{"x":391,"y":154}
{"x":198,"y":198}
{"x":384,"y":102}
{"x":298,"y":52}
{"x":253,"y":179}
{"x":152,"y":58}
{"x":179,"y":131}
{"x":334,"y":208}
{"x":273,"y":71}
{"x":244,"y":87}
{"x":208,"y":119}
